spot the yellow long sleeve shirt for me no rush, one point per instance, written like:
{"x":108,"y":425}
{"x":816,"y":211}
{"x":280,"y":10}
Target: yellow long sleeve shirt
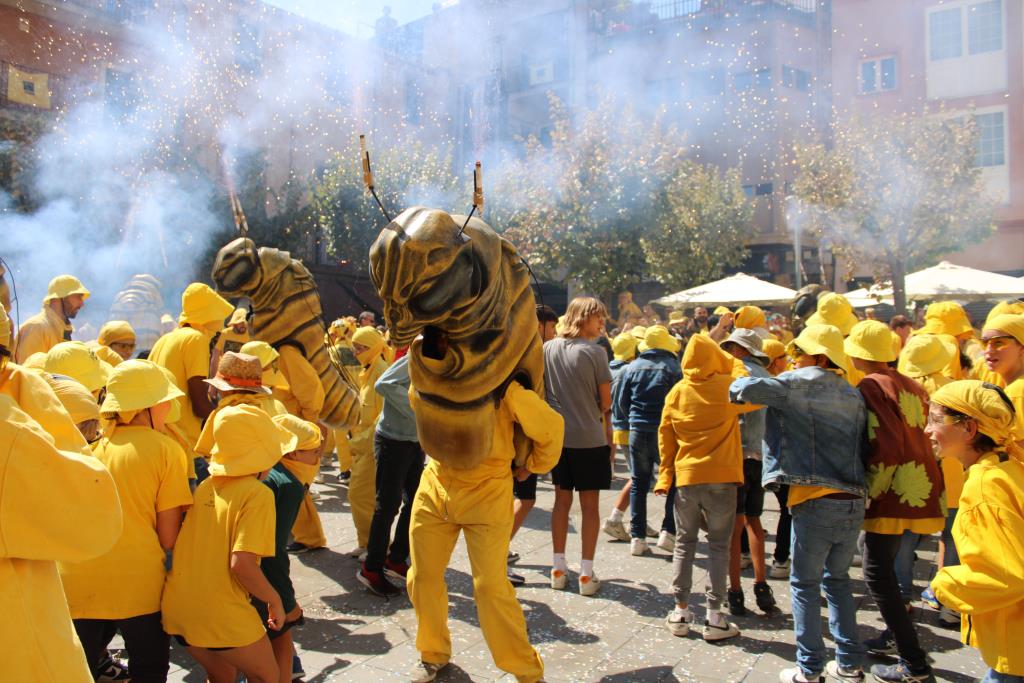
{"x":370,"y":404}
{"x":40,"y":333}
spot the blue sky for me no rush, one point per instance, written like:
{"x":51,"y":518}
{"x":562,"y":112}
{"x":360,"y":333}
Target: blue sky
{"x":354,"y":16}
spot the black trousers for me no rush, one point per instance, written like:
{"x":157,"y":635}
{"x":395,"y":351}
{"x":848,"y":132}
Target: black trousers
{"x":149,"y":648}
{"x":880,"y":575}
{"x":399,"y":466}
{"x":782,"y":530}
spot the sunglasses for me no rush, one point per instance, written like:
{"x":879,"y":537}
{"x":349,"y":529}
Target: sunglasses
{"x":936,"y":420}
{"x":997,"y":343}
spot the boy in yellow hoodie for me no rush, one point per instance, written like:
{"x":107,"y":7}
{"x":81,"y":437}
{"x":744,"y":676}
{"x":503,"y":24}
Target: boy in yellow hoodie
{"x":973,"y":422}
{"x":699,"y":443}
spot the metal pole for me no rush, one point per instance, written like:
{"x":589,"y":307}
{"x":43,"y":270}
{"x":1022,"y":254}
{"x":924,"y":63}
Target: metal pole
{"x":799,"y":254}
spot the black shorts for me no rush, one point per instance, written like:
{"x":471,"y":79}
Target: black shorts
{"x":526,"y":489}
{"x":750,"y":496}
{"x":583,"y":469}
{"x":180,"y":640}
{"x":261,"y":607}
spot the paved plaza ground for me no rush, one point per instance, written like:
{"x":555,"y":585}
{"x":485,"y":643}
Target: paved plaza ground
{"x":617,"y":636}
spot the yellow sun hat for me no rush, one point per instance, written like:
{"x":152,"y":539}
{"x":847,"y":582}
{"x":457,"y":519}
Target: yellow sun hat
{"x":749,"y":317}
{"x":987,"y":405}
{"x":308,"y":434}
{"x":1012,"y":325}
{"x":136,"y":385}
{"x":825,"y":340}
{"x":238,"y":317}
{"x":676,"y":317}
{"x":116,"y":331}
{"x":64,"y":285}
{"x":268,"y":355}
{"x":247,"y":441}
{"x":658,"y":337}
{"x":870,"y":340}
{"x":200,"y":305}
{"x":638,"y":332}
{"x":945,"y":317}
{"x":624,"y":346}
{"x":76,"y":399}
{"x":834,"y":309}
{"x":76,"y":360}
{"x":926,"y":354}
{"x":774,"y":349}
{"x":722,"y":310}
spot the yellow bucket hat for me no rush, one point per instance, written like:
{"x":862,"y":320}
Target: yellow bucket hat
{"x":871,"y":340}
{"x":658,"y":337}
{"x":945,"y":317}
{"x":834,"y":309}
{"x":676,"y":317}
{"x":982,"y":402}
{"x":1004,"y":308}
{"x":80,"y":363}
{"x":926,"y":354}
{"x":247,"y":441}
{"x":638,"y":332}
{"x":624,"y":346}
{"x":238,"y":316}
{"x":64,"y":285}
{"x":822,"y":340}
{"x":268,"y":355}
{"x":136,"y":385}
{"x":774,"y":349}
{"x":5,"y":328}
{"x":307,"y":434}
{"x":200,"y":305}
{"x":116,"y":331}
{"x":76,"y":399}
{"x":1012,"y":325}
{"x":750,"y":317}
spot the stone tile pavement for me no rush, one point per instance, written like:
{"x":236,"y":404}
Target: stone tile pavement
{"x":617,"y":636}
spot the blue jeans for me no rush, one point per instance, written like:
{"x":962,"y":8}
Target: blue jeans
{"x":825,"y":534}
{"x":994,"y":676}
{"x":643,"y":459}
{"x":905,"y":563}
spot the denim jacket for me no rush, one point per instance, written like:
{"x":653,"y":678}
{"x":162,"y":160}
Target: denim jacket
{"x":815,"y":428}
{"x":640,"y":391}
{"x":752,"y":424}
{"x":620,"y":423}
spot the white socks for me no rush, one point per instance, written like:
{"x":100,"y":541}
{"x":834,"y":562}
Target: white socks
{"x":716,"y":618}
{"x":558,"y":562}
{"x":616,"y":515}
{"x":586,"y":567}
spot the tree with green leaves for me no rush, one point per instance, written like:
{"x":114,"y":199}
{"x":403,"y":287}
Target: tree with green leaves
{"x":898,"y":192}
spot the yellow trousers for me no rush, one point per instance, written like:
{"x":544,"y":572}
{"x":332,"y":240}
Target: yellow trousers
{"x":307,"y":529}
{"x":362,"y":494}
{"x":342,"y":448}
{"x":483,"y":512}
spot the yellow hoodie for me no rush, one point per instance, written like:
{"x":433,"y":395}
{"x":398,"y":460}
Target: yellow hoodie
{"x":987,"y":587}
{"x":699,"y":436}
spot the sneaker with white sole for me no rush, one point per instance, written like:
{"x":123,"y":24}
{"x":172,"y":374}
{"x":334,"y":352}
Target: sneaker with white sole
{"x":424,"y":672}
{"x":779,"y":570}
{"x":650,"y":532}
{"x":900,"y":672}
{"x":667,"y":542}
{"x":112,"y":671}
{"x":589,"y":585}
{"x":558,"y":579}
{"x":841,"y":673}
{"x":638,"y":547}
{"x":721,"y":629}
{"x":616,"y":530}
{"x":882,"y":645}
{"x":678,"y":622}
{"x":796,"y":675}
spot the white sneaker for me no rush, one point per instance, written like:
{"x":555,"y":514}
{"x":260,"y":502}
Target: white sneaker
{"x":745,"y":560}
{"x":358,"y":551}
{"x":719,"y":628}
{"x":795,"y":675}
{"x":616,"y":530}
{"x":678,"y":622}
{"x":314,"y":494}
{"x":779,"y":570}
{"x":425,"y":672}
{"x":558,"y":579}
{"x":667,"y":541}
{"x":589,"y":585}
{"x":638,"y":547}
{"x":650,"y":532}
{"x":319,"y":478}
{"x":833,"y":670}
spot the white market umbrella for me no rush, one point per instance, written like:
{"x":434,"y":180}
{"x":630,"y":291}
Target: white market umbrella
{"x":949,"y":281}
{"x":872,"y":296}
{"x":736,"y":289}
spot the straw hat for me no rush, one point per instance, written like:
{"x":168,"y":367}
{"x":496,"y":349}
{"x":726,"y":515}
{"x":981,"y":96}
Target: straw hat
{"x":136,"y":385}
{"x":267,"y":355}
{"x":79,"y":362}
{"x":871,"y":340}
{"x":247,"y":441}
{"x":239,"y":372}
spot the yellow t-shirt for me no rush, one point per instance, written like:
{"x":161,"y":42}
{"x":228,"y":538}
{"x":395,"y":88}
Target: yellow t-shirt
{"x":33,"y":395}
{"x":149,"y":470}
{"x":1015,"y":392}
{"x":203,"y":601}
{"x":186,"y":353}
{"x":801,"y":494}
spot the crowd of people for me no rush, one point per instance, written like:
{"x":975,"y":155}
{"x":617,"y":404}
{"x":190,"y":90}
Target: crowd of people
{"x":177,"y":481}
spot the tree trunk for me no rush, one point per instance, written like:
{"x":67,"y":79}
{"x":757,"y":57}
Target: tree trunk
{"x":898,"y":270}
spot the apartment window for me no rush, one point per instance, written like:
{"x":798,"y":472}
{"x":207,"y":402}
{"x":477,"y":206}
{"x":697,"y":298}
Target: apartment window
{"x":763,"y":189}
{"x":991,"y":139}
{"x":944,"y":34}
{"x":878,"y":75}
{"x":985,"y":27}
{"x":747,"y":80}
{"x":797,"y":79}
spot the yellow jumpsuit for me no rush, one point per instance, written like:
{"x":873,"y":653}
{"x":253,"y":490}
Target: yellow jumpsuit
{"x":478,"y":502}
{"x":362,"y":485}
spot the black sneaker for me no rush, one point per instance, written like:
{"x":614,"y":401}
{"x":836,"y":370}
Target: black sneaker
{"x":516,"y":579}
{"x":736,"y":607}
{"x":513,"y":557}
{"x":883,"y":645}
{"x":377,"y":583}
{"x":900,"y":672}
{"x":296,"y":548}
{"x":765,"y":598}
{"x":343,"y":477}
{"x":111,"y":670}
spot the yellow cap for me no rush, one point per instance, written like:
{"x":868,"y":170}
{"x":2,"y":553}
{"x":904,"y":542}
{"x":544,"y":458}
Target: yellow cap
{"x":750,"y":317}
{"x":624,"y":346}
{"x":1012,"y":325}
{"x":926,"y":354}
{"x":268,"y":356}
{"x":982,"y":402}
{"x":76,"y":399}
{"x":870,"y":340}
{"x":5,"y":328}
{"x":773,"y":348}
{"x":79,"y":362}
{"x":116,"y":331}
{"x":945,"y":317}
{"x":657,"y":337}
{"x":200,"y":305}
{"x":136,"y":385}
{"x":823,"y":340}
{"x":247,"y":441}
{"x":1005,"y":307}
{"x":722,"y":310}
{"x":307,"y":433}
{"x":65,"y":285}
{"x":834,"y":309}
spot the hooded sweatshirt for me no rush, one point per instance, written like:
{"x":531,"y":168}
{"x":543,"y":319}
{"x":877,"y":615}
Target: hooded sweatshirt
{"x":699,"y":437}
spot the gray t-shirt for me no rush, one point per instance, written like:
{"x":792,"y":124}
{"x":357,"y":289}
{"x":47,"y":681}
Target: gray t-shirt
{"x":573,"y":370}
